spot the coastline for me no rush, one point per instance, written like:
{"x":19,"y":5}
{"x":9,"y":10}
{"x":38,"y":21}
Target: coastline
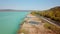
{"x":34,"y":28}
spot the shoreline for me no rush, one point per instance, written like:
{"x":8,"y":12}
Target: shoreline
{"x":32,"y":27}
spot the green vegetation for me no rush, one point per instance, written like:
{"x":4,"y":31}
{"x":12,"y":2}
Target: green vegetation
{"x":53,"y":13}
{"x":52,"y":27}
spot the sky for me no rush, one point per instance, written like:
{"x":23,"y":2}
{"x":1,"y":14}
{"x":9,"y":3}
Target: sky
{"x":28,"y":4}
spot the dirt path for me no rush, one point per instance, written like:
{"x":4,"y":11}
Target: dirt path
{"x":28,"y":28}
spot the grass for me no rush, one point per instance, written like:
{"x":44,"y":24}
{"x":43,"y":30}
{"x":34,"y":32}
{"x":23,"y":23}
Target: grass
{"x":52,"y":27}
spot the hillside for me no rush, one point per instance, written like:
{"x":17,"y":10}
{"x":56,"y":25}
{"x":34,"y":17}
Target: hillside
{"x":53,"y":13}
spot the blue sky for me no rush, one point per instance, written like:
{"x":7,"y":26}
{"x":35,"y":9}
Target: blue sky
{"x":28,"y":4}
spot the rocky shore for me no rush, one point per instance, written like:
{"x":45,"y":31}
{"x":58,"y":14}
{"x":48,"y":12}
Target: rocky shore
{"x":33,"y":25}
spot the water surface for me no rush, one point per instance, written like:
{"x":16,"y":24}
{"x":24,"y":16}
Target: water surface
{"x":9,"y":21}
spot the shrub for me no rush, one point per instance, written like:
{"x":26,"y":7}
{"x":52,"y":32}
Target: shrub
{"x":52,"y":27}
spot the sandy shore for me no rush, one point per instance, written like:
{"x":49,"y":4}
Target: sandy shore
{"x":33,"y":25}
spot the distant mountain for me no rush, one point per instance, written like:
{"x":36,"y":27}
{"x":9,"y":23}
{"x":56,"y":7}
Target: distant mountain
{"x":6,"y":9}
{"x":14,"y":10}
{"x":53,"y":13}
{"x":56,"y":8}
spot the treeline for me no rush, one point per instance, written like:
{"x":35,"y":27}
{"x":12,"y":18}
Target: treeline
{"x":53,"y":13}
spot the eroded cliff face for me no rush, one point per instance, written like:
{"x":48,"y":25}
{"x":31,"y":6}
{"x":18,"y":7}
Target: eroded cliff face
{"x":33,"y":25}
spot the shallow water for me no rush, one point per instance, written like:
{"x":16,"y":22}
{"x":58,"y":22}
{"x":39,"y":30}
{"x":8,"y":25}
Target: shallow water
{"x":9,"y":21}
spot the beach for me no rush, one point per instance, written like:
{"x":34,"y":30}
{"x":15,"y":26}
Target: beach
{"x":33,"y":25}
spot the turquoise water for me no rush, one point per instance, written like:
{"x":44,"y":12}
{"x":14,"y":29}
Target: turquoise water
{"x":9,"y":21}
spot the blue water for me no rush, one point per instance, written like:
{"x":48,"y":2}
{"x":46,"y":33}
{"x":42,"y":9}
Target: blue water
{"x":9,"y":21}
